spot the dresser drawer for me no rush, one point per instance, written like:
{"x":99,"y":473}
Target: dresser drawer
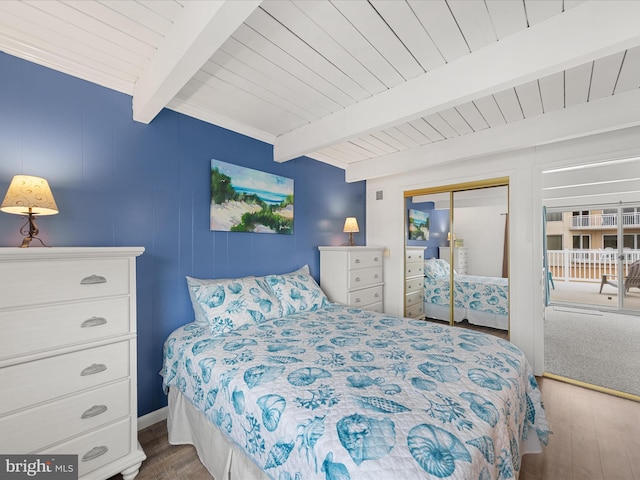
{"x":415,"y":311}
{"x":30,"y":383}
{"x":413,"y":284}
{"x":414,"y":269}
{"x":414,"y":256}
{"x":375,"y":307}
{"x":413,"y":298}
{"x":97,"y":448}
{"x":364,"y":277}
{"x":365,"y":297}
{"x":22,"y":432}
{"x":41,"y":328}
{"x":365,"y":259}
{"x":62,"y":280}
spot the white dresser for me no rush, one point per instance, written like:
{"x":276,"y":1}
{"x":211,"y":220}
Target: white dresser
{"x":414,"y":282}
{"x":68,"y":356}
{"x":460,"y":258}
{"x":353,"y":276}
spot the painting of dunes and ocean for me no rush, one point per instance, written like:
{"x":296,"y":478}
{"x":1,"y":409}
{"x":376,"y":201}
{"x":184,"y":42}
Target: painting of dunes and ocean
{"x":248,"y":200}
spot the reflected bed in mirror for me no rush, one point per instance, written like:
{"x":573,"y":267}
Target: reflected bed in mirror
{"x":482,"y":301}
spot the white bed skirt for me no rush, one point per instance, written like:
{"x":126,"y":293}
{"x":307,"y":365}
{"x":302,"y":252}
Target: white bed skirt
{"x":441,"y":312}
{"x":222,"y":458}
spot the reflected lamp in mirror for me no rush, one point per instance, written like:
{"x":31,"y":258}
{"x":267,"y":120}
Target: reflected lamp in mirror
{"x":351,"y":227}
{"x":29,"y":196}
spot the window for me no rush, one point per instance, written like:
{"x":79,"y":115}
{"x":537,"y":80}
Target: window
{"x":554,"y":217}
{"x":582,"y":242}
{"x":631,"y":241}
{"x":610,"y":241}
{"x":554,"y":242}
{"x":581,"y":219}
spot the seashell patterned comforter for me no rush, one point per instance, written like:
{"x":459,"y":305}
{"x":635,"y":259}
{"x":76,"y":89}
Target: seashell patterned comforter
{"x":344,"y":393}
{"x":482,"y":294}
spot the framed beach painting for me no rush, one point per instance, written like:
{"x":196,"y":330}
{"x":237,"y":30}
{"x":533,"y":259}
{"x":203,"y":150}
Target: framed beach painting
{"x":248,"y":200}
{"x":418,"y":225}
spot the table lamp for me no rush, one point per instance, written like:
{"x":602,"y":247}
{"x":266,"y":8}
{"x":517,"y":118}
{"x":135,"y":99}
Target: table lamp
{"x":351,"y":227}
{"x":29,"y":196}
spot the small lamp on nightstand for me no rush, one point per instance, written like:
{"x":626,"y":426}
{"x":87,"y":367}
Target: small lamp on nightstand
{"x":351,"y":227}
{"x":29,"y":196}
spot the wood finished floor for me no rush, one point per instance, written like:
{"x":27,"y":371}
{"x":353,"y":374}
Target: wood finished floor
{"x":596,"y":437}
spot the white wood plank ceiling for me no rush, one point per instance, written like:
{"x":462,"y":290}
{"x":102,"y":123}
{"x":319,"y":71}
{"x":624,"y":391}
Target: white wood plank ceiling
{"x":375,"y":87}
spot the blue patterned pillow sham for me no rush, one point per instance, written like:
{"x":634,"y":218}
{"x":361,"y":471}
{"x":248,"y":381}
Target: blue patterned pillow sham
{"x":297,"y":291}
{"x":227,"y":304}
{"x":433,"y":268}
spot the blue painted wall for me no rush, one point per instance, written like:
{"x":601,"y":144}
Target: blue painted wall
{"x":122,"y":183}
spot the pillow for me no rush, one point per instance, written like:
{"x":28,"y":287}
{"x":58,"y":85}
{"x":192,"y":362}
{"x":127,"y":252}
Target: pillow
{"x":227,"y":304}
{"x":432,"y":268}
{"x":297,"y":291}
{"x":444,"y":266}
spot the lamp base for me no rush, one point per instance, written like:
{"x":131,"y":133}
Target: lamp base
{"x":351,"y":244}
{"x":30,"y":233}
{"x":26,"y":241}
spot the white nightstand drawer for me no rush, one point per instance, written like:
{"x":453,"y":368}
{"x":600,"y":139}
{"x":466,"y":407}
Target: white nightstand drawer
{"x":413,"y":284}
{"x":361,"y":298}
{"x":30,"y":383}
{"x":99,"y":447}
{"x":413,"y":298}
{"x":415,"y":311}
{"x":414,"y":269}
{"x":414,"y":255}
{"x":42,"y":328}
{"x":62,"y":280}
{"x":365,"y":259}
{"x":22,"y":432}
{"x":364,"y":277}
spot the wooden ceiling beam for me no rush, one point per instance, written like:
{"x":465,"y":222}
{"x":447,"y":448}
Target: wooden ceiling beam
{"x":200,"y":30}
{"x":599,"y":116}
{"x":582,"y":34}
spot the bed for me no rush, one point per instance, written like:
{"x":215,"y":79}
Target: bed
{"x":276,"y":382}
{"x":480,"y":300}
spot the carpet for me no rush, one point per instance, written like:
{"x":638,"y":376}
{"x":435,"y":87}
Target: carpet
{"x":600,"y":348}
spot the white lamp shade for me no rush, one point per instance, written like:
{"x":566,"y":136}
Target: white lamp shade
{"x":351,"y":225}
{"x":29,"y":194}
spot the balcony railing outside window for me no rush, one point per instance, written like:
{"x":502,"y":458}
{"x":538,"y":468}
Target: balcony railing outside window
{"x":605,"y":220}
{"x":588,"y":265}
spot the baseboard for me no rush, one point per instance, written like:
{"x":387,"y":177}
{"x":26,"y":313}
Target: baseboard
{"x":152,"y":418}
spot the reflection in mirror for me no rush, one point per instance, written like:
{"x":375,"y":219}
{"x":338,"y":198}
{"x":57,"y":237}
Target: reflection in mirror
{"x":473,"y":238}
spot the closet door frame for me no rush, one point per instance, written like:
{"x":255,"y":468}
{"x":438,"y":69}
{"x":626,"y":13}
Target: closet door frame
{"x":451,"y":189}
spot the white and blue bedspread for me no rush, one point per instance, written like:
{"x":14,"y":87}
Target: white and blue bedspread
{"x":482,"y":294}
{"x":343,"y":393}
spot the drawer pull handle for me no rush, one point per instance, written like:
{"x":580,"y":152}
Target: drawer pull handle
{"x":376,"y":276}
{"x":376,"y":295}
{"x":93,"y":369}
{"x":376,"y":259}
{"x":357,"y":300}
{"x":357,"y":279}
{"x":93,"y":411}
{"x":357,"y":260}
{"x":93,"y":322}
{"x":93,"y":279}
{"x":95,"y":452}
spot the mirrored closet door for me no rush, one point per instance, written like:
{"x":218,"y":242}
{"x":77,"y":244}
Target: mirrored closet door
{"x":464,"y":226}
